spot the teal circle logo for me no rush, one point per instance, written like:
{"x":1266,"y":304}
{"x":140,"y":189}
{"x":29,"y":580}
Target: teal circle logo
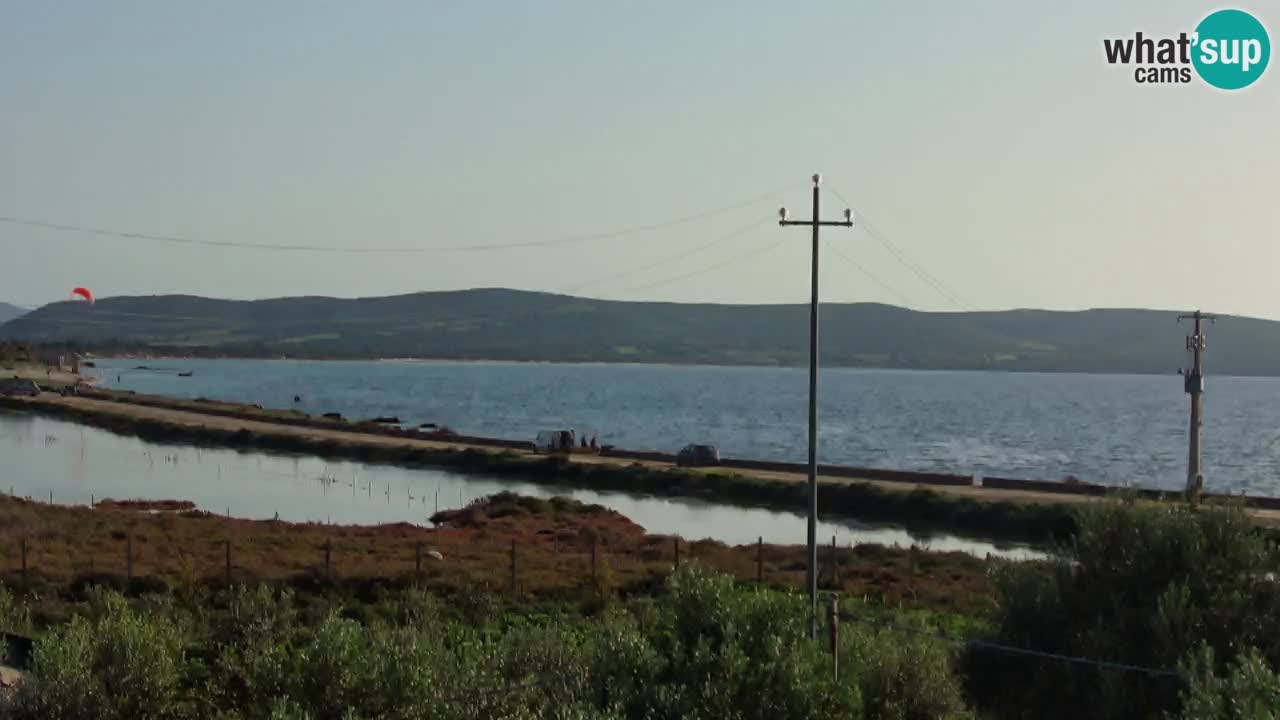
{"x":1231,"y":49}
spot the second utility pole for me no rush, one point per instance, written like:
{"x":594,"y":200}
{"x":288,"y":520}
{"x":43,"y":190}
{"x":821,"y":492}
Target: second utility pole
{"x":811,"y":573}
{"x":1193,"y":383}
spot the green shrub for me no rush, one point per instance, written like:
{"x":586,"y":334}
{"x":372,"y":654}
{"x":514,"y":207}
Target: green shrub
{"x":15,"y":615}
{"x":253,"y":646}
{"x":901,"y":676}
{"x":1248,"y":690}
{"x":332,"y":667}
{"x":708,"y":649}
{"x":120,"y":665}
{"x":704,"y":648}
{"x":1142,"y":583}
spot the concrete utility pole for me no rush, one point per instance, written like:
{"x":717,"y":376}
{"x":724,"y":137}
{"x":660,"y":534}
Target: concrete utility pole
{"x":811,"y":574}
{"x":1193,"y":383}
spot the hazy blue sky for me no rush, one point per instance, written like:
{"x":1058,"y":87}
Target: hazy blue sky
{"x":988,"y":140}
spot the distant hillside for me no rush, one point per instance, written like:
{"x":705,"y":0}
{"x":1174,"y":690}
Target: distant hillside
{"x":514,"y":325}
{"x":9,"y":312}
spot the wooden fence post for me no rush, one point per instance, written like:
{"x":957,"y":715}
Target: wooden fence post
{"x":760,"y":560}
{"x":835,"y":565}
{"x":328,"y":557}
{"x":417,"y":558}
{"x":675,"y":544}
{"x":514,"y":587}
{"x":834,"y":630}
{"x":227,"y":543}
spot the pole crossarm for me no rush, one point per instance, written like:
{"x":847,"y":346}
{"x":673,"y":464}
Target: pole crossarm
{"x":822,"y":223}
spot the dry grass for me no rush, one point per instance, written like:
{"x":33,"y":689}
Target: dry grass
{"x":67,"y":547}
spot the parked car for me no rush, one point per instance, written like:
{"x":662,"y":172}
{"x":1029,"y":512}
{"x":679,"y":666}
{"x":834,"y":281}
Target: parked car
{"x":19,"y":387}
{"x":698,"y":456}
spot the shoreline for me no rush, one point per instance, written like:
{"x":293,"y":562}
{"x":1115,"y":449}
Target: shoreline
{"x":1033,"y":518}
{"x":653,"y":363}
{"x":1024,"y":511}
{"x":43,"y":376}
{"x":990,"y":486}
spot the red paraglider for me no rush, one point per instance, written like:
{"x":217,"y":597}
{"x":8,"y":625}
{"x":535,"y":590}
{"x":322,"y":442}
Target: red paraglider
{"x":82,"y":292}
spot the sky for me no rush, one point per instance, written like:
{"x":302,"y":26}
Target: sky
{"x":989,"y":143}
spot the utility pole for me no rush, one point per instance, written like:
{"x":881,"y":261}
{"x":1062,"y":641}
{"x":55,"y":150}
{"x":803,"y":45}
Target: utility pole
{"x":811,"y":574}
{"x":1193,"y":384}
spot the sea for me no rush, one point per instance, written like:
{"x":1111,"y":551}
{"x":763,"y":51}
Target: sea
{"x":1121,"y":430}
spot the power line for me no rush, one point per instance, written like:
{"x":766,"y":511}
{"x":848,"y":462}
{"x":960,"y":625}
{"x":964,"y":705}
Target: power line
{"x":175,"y":239}
{"x":919,"y":271}
{"x":671,"y":258}
{"x":1011,"y":649}
{"x":94,"y":316}
{"x":709,"y":268}
{"x":925,"y":276}
{"x":868,"y":274}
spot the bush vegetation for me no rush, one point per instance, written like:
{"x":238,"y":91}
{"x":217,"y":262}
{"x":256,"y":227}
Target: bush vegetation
{"x":1186,"y":599}
{"x":701,"y":648}
{"x":1161,"y":586}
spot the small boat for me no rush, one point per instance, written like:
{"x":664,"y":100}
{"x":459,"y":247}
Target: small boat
{"x":185,"y":374}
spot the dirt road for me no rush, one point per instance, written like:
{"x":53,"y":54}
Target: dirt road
{"x":42,"y":374}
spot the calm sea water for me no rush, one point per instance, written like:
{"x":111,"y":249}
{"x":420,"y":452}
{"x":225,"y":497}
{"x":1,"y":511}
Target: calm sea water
{"x":1115,"y":429}
{"x":78,"y":464}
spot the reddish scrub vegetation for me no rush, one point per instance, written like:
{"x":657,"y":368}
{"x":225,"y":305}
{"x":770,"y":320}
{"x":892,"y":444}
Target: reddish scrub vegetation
{"x":553,"y":540}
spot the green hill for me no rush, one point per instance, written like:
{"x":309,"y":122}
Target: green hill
{"x":9,"y":312}
{"x":516,"y":325}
